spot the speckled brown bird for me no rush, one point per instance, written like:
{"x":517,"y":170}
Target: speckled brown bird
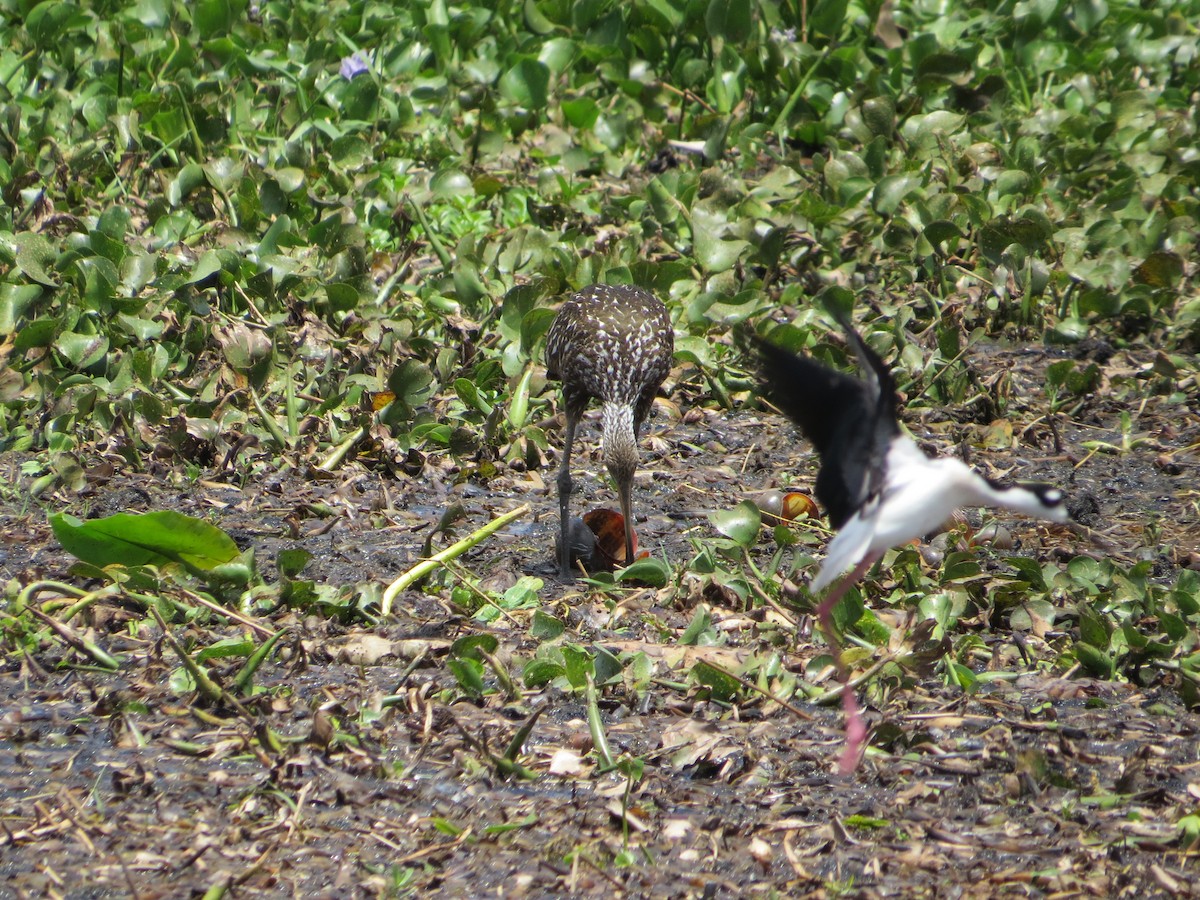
{"x":613,"y":343}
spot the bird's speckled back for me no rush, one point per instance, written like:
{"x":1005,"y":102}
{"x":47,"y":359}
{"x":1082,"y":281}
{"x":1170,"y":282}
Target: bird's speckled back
{"x":611,"y":342}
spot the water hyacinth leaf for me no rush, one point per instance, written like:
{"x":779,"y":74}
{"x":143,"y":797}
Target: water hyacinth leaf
{"x":724,"y":686}
{"x":579,"y":666}
{"x":1029,"y":570}
{"x":995,"y":237}
{"x":545,"y":627}
{"x":411,"y":382}
{"x":35,"y":258}
{"x":581,"y":113}
{"x":100,"y":278}
{"x":190,"y":177}
{"x":893,"y":190}
{"x":879,"y":115}
{"x":607,"y":669}
{"x":848,"y":610}
{"x":1033,"y":615}
{"x":39,"y":333}
{"x":940,"y":231}
{"x":523,"y":594}
{"x":701,"y":622}
{"x":924,"y":131}
{"x":732,"y":21}
{"x":48,"y":23}
{"x":15,"y":301}
{"x":526,"y":84}
{"x":224,"y":174}
{"x":360,"y":100}
{"x":468,"y":393}
{"x":647,"y":570}
{"x":213,"y":18}
{"x":469,"y":675}
{"x":82,"y":350}
{"x":1096,"y":661}
{"x":225,"y":648}
{"x":1092,"y":628}
{"x":1161,"y":269}
{"x":714,"y":252}
{"x":961,"y":676}
{"x":534,"y":325}
{"x":469,"y":646}
{"x":154,"y":538}
{"x":827,"y":17}
{"x":206,"y":267}
{"x":742,"y":523}
{"x":535,"y":19}
{"x":291,"y":562}
{"x":539,"y":672}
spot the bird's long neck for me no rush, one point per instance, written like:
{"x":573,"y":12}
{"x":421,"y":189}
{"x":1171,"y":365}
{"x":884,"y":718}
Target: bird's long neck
{"x":1017,"y":498}
{"x":980,"y":491}
{"x":619,"y":440}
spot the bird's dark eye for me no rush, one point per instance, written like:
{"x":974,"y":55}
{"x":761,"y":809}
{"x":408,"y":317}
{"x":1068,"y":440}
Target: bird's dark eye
{"x":1051,"y":496}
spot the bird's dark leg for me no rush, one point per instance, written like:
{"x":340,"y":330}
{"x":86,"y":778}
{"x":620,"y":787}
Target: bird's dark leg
{"x":856,"y":729}
{"x":564,"y":498}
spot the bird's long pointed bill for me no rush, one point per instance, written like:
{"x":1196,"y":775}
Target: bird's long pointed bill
{"x":627,"y":515}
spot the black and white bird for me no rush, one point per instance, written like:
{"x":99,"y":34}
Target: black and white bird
{"x":878,"y":487}
{"x":613,"y":343}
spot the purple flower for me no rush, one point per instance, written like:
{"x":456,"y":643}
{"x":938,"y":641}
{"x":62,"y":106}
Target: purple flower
{"x":353,"y":65}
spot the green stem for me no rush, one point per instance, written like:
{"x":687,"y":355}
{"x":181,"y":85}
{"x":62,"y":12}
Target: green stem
{"x":423,"y":568}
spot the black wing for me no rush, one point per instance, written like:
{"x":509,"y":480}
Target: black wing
{"x":850,"y":421}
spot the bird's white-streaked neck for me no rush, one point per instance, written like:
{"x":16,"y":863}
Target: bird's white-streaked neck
{"x":618,"y":439}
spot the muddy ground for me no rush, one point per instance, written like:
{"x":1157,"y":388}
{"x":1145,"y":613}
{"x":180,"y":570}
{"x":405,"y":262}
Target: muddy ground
{"x":1039,"y":785}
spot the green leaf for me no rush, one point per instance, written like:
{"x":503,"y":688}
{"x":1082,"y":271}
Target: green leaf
{"x":35,"y":257}
{"x":15,"y":300}
{"x":545,"y":627}
{"x":724,"y":687}
{"x":893,"y":190}
{"x":469,"y":675}
{"x":647,"y":570}
{"x":48,"y":23}
{"x":412,"y":382}
{"x":292,"y":562}
{"x":82,"y":350}
{"x":731,"y":20}
{"x":826,"y":17}
{"x":961,"y":676}
{"x":742,"y":523}
{"x":1030,"y":571}
{"x":701,"y":623}
{"x":1097,"y":663}
{"x":527,"y":83}
{"x":942,"y":230}
{"x":1161,"y":269}
{"x":469,"y":646}
{"x":214,"y":18}
{"x":154,"y":538}
{"x":1093,"y":629}
{"x":713,"y":251}
{"x":607,"y":668}
{"x":581,"y":113}
{"x":39,"y":333}
{"x":226,"y":648}
{"x":578,"y":666}
{"x":539,"y":672}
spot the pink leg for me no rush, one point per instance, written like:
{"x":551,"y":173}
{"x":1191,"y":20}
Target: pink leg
{"x":856,"y":729}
